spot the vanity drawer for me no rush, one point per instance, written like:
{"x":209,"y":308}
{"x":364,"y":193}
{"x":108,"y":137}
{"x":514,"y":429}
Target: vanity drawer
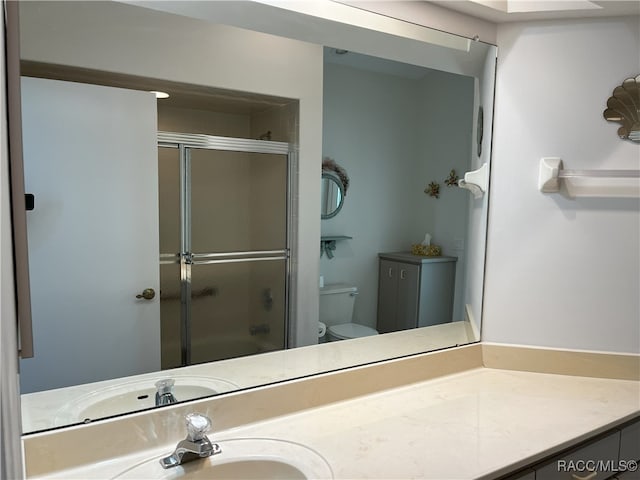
{"x":601,"y":454}
{"x":630,"y":442}
{"x":626,"y":476}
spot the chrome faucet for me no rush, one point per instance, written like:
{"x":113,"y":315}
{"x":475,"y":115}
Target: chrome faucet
{"x":195,"y":446}
{"x":164,"y":392}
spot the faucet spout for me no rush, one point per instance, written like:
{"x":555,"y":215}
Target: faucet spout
{"x":196,"y":445}
{"x":187,"y":451}
{"x":164,"y":392}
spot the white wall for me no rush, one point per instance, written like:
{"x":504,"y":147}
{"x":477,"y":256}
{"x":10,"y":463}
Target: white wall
{"x":126,"y":39}
{"x":394,"y":135}
{"x":562,"y":272}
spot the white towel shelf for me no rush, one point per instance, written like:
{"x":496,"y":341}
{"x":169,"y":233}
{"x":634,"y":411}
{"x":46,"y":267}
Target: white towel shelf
{"x":591,"y":183}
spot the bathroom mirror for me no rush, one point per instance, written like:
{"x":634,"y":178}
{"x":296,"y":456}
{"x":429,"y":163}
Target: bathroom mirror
{"x":331,"y":194}
{"x":268,"y":79}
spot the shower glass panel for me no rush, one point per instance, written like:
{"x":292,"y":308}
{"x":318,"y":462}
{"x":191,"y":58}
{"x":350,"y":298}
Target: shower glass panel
{"x":170,"y":311}
{"x":238,"y":201}
{"x":169,"y":199}
{"x":237,"y":309}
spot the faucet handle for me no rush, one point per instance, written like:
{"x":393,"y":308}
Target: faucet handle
{"x":165,"y":385}
{"x":197,"y":426}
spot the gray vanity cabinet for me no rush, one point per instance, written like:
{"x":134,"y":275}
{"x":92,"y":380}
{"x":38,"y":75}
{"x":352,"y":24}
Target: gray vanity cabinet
{"x":414,"y":291}
{"x":398,"y":293}
{"x":616,"y":451}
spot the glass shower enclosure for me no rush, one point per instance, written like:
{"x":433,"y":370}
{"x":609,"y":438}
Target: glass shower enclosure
{"x":224,"y":247}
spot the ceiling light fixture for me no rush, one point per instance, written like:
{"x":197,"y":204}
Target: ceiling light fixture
{"x":160,"y":94}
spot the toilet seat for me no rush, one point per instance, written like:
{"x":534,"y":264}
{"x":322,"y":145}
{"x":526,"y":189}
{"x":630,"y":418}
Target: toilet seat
{"x":345,"y":331}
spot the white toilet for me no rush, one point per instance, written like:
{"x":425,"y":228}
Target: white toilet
{"x":336,"y":312}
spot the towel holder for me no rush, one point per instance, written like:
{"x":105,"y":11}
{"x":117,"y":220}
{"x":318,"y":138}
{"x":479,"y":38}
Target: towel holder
{"x":550,"y":174}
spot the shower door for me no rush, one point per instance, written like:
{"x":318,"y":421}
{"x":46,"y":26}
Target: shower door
{"x":224,"y":247}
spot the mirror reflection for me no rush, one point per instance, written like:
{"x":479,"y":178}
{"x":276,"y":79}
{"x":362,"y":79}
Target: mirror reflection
{"x":387,"y":122}
{"x":205,"y":198}
{"x":331,"y":194}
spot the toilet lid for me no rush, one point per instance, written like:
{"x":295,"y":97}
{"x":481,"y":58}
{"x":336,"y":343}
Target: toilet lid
{"x":351,"y":330}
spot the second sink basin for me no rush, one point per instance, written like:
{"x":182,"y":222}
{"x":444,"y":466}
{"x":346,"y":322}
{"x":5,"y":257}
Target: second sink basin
{"x":241,"y":458}
{"x":135,"y":395}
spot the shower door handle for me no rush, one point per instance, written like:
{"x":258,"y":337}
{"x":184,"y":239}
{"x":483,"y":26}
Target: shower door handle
{"x":147,"y":294}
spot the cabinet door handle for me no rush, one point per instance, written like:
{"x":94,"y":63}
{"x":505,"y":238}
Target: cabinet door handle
{"x":403,"y":274}
{"x":390,"y":272}
{"x":591,"y":476}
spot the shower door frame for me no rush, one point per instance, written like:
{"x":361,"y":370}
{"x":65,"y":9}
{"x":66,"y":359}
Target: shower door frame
{"x":184,"y":142}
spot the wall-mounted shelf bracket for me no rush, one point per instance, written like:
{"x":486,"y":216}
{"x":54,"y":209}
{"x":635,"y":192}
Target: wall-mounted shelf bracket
{"x":476,"y":181}
{"x":328,"y":243}
{"x":590,"y":183}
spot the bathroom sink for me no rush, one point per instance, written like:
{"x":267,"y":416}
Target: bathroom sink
{"x":135,"y":395}
{"x":241,"y":458}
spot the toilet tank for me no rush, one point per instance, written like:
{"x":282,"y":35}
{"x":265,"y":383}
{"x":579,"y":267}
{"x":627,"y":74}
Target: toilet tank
{"x":336,"y":303}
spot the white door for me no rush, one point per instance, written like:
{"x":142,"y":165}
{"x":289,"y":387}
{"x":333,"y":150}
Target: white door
{"x":91,"y":160}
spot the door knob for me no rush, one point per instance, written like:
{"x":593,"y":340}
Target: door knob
{"x":147,"y":294}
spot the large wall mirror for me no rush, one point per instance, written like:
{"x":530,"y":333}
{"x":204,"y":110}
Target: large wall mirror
{"x":174,"y":242}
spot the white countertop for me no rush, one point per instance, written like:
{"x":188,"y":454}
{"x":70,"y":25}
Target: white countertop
{"x":478,"y":424}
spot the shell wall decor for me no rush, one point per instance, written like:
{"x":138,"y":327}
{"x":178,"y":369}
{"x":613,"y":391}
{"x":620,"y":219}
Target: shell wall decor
{"x":624,"y":108}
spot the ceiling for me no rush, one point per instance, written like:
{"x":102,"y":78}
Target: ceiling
{"x":501,"y":11}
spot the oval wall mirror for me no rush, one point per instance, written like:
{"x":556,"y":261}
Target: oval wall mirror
{"x":332,"y":192}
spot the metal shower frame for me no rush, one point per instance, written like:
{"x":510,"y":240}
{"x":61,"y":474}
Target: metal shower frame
{"x":184,"y":142}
